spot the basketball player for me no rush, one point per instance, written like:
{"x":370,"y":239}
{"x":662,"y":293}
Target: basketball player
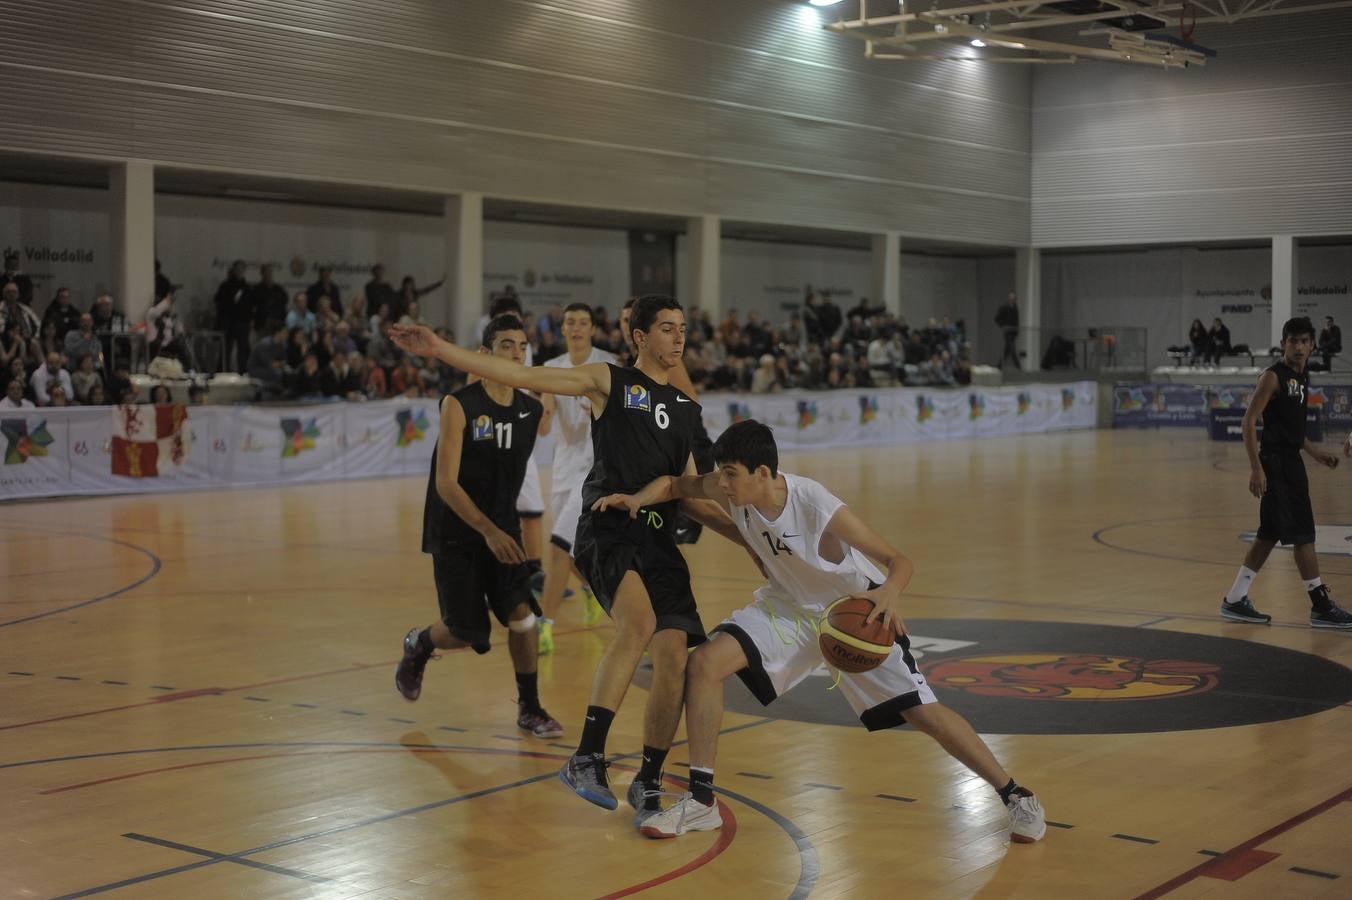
{"x":641,"y":430}
{"x":814,"y":551}
{"x":572,"y":463}
{"x":472,"y":530}
{"x":1277,"y":478}
{"x":688,"y":530}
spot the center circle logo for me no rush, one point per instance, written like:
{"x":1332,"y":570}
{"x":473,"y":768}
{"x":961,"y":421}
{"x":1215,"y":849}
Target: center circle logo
{"x":1059,"y":676}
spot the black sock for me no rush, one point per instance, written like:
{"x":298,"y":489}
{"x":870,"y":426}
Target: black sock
{"x":1320,"y":599}
{"x":702,"y":785}
{"x":653,"y":759}
{"x":1007,"y":791}
{"x":527,"y":690}
{"x":594,"y":730}
{"x":425,"y":645}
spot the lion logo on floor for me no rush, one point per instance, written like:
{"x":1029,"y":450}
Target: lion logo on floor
{"x":1085,"y":676}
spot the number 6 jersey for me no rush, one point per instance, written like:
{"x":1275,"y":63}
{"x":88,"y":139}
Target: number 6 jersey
{"x":494,"y":447}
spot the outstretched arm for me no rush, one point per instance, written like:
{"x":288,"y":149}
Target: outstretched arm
{"x":850,"y":530}
{"x":591,"y":381}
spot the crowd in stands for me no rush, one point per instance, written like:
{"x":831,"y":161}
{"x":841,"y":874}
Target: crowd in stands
{"x":313,"y":345}
{"x":1208,"y":345}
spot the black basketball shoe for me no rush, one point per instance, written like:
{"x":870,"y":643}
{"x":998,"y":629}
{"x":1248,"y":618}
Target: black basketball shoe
{"x":1243,"y":611}
{"x":408,"y":677}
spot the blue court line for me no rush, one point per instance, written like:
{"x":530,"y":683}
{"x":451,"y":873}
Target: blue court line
{"x":155,"y":566}
{"x":211,"y":854}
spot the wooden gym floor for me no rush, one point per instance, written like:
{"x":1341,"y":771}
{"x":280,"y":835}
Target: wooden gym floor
{"x":196,"y":699}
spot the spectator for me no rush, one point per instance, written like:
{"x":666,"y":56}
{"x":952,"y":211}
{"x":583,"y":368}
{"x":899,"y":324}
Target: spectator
{"x":407,"y":380}
{"x":377,"y":386}
{"x":50,"y":341}
{"x":383,"y":351}
{"x":15,"y":345}
{"x":160,"y":395}
{"x":106,"y":317}
{"x":378,"y":320}
{"x":120,"y":386}
{"x":730,"y":328}
{"x":765,"y":378}
{"x":161,"y":325}
{"x":343,"y":343}
{"x":22,"y":283}
{"x":62,"y":312}
{"x":197,"y":394}
{"x":268,"y":300}
{"x":313,"y":381}
{"x":325,"y":318}
{"x":1007,"y":319}
{"x":98,"y":396}
{"x":412,"y":314}
{"x":267,"y":360}
{"x":296,"y":346}
{"x":409,"y":292}
{"x":324,"y":287}
{"x":352,"y":384}
{"x":14,"y":398}
{"x":234,"y":316}
{"x":1330,"y":341}
{"x":881,"y":361}
{"x":828,"y":316}
{"x":856,"y":332}
{"x":162,"y":283}
{"x":57,"y":396}
{"x":1219,"y":341}
{"x":1200,"y":341}
{"x":378,"y":290}
{"x":302,"y":317}
{"x":13,"y":308}
{"x":359,"y":326}
{"x":84,"y":377}
{"x":83,"y":342}
{"x":46,"y":376}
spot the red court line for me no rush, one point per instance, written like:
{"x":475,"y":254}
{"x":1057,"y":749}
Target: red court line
{"x":725,"y":836}
{"x":1220,"y":864}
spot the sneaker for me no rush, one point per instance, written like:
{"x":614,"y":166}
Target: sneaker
{"x":687,"y":815}
{"x":1333,"y":617}
{"x":1027,"y":821}
{"x":591,"y":607}
{"x":408,"y":677}
{"x":1243,"y":611}
{"x":586,"y":775}
{"x":646,"y":799}
{"x":546,"y":637}
{"x":538,"y":722}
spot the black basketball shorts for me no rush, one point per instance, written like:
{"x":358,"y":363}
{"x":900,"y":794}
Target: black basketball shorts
{"x":471,"y":583}
{"x":610,"y":544}
{"x":1285,"y":514}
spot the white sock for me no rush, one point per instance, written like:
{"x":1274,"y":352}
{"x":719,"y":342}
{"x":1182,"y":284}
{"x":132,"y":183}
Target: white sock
{"x":1313,"y":583}
{"x":1240,"y":589}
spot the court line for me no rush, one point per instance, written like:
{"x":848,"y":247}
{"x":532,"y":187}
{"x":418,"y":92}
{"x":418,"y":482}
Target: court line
{"x":1219,"y":862}
{"x":211,"y":854}
{"x":807,"y":855}
{"x":155,"y":566}
{"x":1098,"y":538}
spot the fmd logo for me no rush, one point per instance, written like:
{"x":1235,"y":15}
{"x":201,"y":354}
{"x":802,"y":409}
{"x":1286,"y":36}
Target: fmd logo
{"x":1236,"y":307}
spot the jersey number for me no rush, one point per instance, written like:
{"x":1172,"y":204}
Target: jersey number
{"x":660,"y":415}
{"x":775,"y":544}
{"x":504,"y":435}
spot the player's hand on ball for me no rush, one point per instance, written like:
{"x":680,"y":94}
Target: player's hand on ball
{"x":504,"y":549}
{"x":1257,"y":483}
{"x":626,"y":502}
{"x":886,"y":606}
{"x":416,"y":339}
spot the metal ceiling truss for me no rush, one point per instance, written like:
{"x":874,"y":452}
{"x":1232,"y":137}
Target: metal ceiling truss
{"x":1148,"y":32}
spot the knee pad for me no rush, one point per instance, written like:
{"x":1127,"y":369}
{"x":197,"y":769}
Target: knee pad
{"x":522,"y":626}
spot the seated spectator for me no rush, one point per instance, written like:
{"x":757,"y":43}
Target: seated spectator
{"x":1199,"y":340}
{"x":352,"y":383}
{"x":342,"y":341}
{"x":83,"y":341}
{"x":120,"y":384}
{"x":412,"y":314}
{"x":14,"y":396}
{"x":14,"y":309}
{"x":97,"y":396}
{"x":1219,"y":342}
{"x":197,"y":394}
{"x":161,"y":325}
{"x":382,"y":349}
{"x":765,"y":379}
{"x":313,"y":381}
{"x":51,"y":342}
{"x":377,"y":386}
{"x":300,"y":317}
{"x":84,"y":377}
{"x":160,"y":396}
{"x":325,"y":318}
{"x":45,"y":376}
{"x":359,"y":325}
{"x":296,"y":345}
{"x":407,"y":380}
{"x":106,"y":317}
{"x":58,"y":396}
{"x":14,"y":344}
{"x":881,"y":362}
{"x":23,"y":285}
{"x":322,"y":345}
{"x":62,"y":312}
{"x":267,"y":360}
{"x":378,"y":318}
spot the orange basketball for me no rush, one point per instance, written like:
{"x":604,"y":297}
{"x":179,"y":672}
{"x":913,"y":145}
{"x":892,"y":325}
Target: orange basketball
{"x":847,"y":642}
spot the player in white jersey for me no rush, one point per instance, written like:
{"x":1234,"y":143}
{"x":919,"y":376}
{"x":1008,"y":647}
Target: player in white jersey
{"x":814,"y":551}
{"x":572,"y":464}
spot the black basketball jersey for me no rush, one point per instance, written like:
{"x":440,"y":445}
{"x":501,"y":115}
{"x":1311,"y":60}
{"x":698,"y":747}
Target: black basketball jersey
{"x":645,"y":431}
{"x":494,"y":449}
{"x":1284,"y":415}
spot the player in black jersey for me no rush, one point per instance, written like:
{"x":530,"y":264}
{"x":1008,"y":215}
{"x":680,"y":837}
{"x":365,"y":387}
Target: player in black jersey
{"x":1277,"y":478}
{"x":642,"y":428}
{"x":472,"y":530}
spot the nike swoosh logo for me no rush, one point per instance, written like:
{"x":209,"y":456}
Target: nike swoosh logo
{"x":682,"y":400}
{"x":787,"y":536}
{"x":591,"y":718}
{"x":522,"y":415}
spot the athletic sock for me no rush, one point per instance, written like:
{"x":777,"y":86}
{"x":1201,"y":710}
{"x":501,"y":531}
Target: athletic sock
{"x":594,"y":730}
{"x":1240,"y":589}
{"x":1007,"y":791}
{"x":425,"y":645}
{"x":528,"y":690}
{"x":1313,"y":583}
{"x":702,"y":785}
{"x":653,"y":759}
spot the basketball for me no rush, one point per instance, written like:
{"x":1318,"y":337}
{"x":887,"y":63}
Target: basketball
{"x":847,"y":642}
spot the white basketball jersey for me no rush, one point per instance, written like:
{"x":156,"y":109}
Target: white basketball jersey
{"x":572,"y":428}
{"x":790,"y":548}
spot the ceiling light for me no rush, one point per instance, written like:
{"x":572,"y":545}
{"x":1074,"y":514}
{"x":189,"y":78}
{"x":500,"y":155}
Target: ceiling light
{"x":978,"y":42}
{"x":823,"y":2}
